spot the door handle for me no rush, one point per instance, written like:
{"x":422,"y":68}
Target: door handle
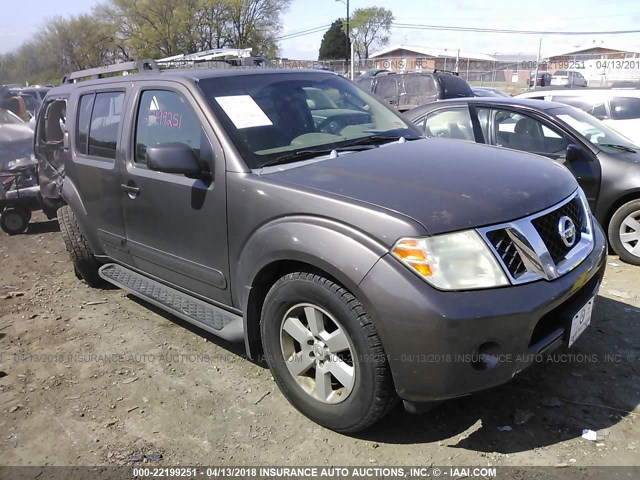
{"x":132,"y":191}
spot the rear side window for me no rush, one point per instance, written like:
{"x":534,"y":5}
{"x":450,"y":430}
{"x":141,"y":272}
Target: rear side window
{"x":365,"y":83}
{"x":625,"y":108}
{"x":105,"y":124}
{"x":84,"y":121}
{"x":593,"y":107}
{"x":419,"y":85}
{"x":387,"y":87}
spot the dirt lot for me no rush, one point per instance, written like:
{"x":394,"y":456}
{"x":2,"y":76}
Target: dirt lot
{"x":93,"y":377}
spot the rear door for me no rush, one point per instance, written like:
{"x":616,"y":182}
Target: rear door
{"x":175,"y":226}
{"x":95,"y":126}
{"x":51,"y":149}
{"x":449,"y":122}
{"x":387,"y":89}
{"x":418,"y":90}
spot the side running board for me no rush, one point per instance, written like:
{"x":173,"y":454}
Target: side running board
{"x":204,"y":315}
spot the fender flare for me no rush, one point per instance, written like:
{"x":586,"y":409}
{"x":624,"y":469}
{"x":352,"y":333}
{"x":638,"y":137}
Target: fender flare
{"x":341,"y":251}
{"x":70,"y":195}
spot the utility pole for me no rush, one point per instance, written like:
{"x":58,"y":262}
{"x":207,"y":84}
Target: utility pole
{"x":535,"y":77}
{"x":349,"y":50}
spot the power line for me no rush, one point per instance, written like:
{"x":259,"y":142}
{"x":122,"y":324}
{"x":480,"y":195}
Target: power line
{"x":302,"y":33}
{"x":410,"y":26}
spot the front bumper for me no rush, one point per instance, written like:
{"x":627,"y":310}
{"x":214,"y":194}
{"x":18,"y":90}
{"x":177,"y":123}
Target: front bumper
{"x":433,"y":338}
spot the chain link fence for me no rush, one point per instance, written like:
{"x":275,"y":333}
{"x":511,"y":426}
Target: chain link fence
{"x":513,"y":76}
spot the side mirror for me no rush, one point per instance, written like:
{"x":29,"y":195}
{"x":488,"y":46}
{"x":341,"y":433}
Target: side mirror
{"x":173,"y":157}
{"x":574,"y":152}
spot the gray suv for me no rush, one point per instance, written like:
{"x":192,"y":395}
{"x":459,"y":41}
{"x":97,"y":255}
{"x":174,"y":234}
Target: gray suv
{"x":404,"y":91}
{"x":290,"y":210}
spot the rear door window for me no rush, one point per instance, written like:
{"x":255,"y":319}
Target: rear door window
{"x":522,"y":132}
{"x":84,"y":122}
{"x":98,"y":126}
{"x":419,"y":85}
{"x":387,"y":87}
{"x":449,"y":123}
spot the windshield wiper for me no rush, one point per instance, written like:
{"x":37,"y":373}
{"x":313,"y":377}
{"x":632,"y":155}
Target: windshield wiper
{"x":619,"y":147}
{"x":306,"y":154}
{"x":365,"y":143}
{"x":382,"y":139}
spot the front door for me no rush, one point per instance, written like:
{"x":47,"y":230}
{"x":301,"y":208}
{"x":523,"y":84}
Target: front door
{"x":175,"y":226}
{"x":511,"y":129}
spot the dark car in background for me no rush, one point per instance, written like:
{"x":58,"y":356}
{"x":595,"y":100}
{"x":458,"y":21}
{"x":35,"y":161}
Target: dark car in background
{"x":32,"y":97}
{"x":489,"y":92}
{"x":541,"y":79}
{"x":606,"y":164}
{"x":404,"y":91}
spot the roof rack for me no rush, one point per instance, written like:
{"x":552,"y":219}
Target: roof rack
{"x":206,"y":55}
{"x":140,"y":66}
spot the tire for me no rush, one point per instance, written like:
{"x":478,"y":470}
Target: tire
{"x":84,"y":262}
{"x":624,"y":232}
{"x":15,"y":220}
{"x":315,"y":310}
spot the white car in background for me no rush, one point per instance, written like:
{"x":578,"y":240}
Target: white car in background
{"x":618,"y":108}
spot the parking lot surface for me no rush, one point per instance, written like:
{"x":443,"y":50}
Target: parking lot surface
{"x":95,"y":377}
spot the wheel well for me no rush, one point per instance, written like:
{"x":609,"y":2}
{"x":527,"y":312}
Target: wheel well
{"x":261,"y":285}
{"x":617,"y":204}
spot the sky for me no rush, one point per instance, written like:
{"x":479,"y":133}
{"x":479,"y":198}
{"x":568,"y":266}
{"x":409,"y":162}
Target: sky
{"x":21,"y":19}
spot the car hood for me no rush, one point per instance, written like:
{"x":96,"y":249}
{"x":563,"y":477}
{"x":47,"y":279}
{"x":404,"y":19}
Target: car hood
{"x":16,"y":141}
{"x":445,"y":185}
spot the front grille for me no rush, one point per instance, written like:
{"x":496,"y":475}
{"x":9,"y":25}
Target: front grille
{"x":532,"y":248}
{"x":508,"y":252}
{"x":547,"y":227}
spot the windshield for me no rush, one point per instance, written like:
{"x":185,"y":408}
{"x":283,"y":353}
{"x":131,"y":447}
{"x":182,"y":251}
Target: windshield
{"x":592,"y":129}
{"x":273,"y":116}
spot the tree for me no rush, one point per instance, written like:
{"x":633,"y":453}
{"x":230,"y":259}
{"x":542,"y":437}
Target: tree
{"x":334,"y":43}
{"x":211,"y":25}
{"x":370,"y":28}
{"x":62,"y":45}
{"x":121,"y":30}
{"x":153,"y":28}
{"x":256,"y":24}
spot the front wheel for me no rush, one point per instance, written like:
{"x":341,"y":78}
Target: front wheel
{"x":15,"y":220}
{"x":624,"y":232}
{"x":325,"y":354}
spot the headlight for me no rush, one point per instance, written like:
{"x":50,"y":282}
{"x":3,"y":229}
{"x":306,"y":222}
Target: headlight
{"x":587,"y":209}
{"x":453,"y":261}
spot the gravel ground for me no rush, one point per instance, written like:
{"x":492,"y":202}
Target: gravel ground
{"x":95,"y":377}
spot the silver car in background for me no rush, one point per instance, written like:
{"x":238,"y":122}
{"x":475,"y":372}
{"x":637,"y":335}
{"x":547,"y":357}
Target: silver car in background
{"x":568,"y":78}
